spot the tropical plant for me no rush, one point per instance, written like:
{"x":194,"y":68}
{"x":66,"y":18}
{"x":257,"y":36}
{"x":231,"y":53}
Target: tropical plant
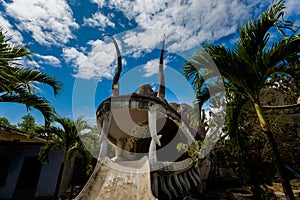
{"x":201,"y":90}
{"x":65,"y":137}
{"x":254,"y":58}
{"x":18,"y":82}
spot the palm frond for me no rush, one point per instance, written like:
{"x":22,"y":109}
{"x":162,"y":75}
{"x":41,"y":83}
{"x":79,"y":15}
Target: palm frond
{"x":17,"y":81}
{"x":10,"y":54}
{"x":230,"y":67}
{"x":254,"y":34}
{"x":65,"y":138}
{"x":284,"y":50}
{"x":28,"y":77}
{"x":251,"y":61}
{"x":52,"y":145}
{"x":31,"y":100}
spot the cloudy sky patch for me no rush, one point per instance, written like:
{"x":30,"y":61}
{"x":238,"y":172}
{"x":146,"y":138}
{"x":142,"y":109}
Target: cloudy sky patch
{"x":66,"y":36}
{"x":49,"y":22}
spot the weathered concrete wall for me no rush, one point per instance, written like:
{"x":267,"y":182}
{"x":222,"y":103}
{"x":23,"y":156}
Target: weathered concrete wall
{"x":119,"y":181}
{"x":49,"y":175}
{"x":17,"y":157}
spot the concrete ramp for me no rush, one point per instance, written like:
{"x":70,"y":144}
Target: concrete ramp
{"x":119,"y":181}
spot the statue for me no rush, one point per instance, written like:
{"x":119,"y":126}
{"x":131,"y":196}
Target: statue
{"x":144,"y":131}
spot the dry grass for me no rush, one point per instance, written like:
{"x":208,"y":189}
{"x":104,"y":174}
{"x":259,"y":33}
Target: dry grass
{"x":278,"y":187}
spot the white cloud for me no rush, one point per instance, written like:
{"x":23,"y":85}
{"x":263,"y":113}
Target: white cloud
{"x":9,"y":31}
{"x":99,"y":2}
{"x":31,"y":63}
{"x":98,"y":20}
{"x":97,"y":64}
{"x":186,"y":23}
{"x":49,"y":22}
{"x":28,"y":63}
{"x":152,"y":66}
{"x":136,"y":42}
{"x":48,"y":60}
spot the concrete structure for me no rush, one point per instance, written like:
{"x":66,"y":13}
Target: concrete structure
{"x":119,"y":181}
{"x":144,"y":130}
{"x":22,"y":176}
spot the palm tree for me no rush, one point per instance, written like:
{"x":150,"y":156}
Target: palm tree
{"x":17,"y":83}
{"x":66,"y":138}
{"x":201,"y":90}
{"x":254,"y":58}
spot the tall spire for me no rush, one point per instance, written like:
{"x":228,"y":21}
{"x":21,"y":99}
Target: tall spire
{"x":115,"y":84}
{"x":161,"y":89}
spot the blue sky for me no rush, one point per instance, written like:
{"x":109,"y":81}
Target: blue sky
{"x":67,"y":40}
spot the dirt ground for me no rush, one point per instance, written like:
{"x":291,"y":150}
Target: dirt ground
{"x":222,"y":194}
{"x":277,"y":188}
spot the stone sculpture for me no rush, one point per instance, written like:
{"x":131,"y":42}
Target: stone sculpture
{"x":144,"y":130}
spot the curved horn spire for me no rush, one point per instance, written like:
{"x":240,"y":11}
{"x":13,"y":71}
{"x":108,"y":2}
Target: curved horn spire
{"x":161,"y":89}
{"x":115,"y":84}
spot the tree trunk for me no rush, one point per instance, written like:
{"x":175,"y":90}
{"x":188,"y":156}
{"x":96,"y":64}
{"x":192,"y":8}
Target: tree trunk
{"x":275,"y":153}
{"x":62,"y":182}
{"x":57,"y":189}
